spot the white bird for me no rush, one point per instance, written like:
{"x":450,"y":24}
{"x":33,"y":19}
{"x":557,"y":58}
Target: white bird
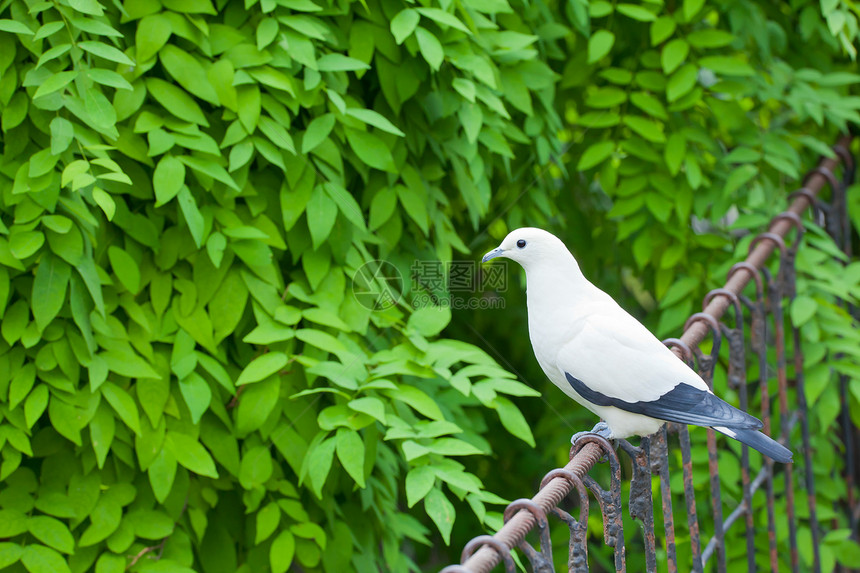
{"x":606,"y":360}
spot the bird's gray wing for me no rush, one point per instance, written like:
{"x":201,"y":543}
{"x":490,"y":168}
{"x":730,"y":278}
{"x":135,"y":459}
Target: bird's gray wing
{"x":615,"y":361}
{"x":683,"y":403}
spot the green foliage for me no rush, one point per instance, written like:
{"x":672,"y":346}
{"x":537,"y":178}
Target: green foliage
{"x":188,"y":189}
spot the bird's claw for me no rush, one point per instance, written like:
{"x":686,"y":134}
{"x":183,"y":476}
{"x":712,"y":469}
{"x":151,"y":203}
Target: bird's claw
{"x":601,"y":429}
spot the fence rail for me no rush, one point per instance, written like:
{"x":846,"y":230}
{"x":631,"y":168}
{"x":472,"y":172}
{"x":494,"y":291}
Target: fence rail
{"x":651,"y":458}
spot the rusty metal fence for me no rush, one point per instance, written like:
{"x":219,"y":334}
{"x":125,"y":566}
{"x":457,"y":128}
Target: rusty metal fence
{"x":651,"y":458}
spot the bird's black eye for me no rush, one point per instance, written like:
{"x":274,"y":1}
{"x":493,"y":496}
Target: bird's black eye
{"x":521,"y":244}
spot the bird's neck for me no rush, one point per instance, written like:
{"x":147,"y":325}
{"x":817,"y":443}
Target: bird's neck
{"x":557,"y":295}
{"x":560,"y":283}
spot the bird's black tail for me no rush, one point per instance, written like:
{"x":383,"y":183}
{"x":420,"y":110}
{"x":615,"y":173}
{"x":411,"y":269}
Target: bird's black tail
{"x":760,"y":442}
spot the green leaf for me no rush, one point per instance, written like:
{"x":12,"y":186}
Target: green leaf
{"x":276,"y":133}
{"x":415,"y":207}
{"x":190,"y":454}
{"x":49,"y":289}
{"x":513,"y":421}
{"x":102,"y":432}
{"x":168,"y":179}
{"x":52,"y":532}
{"x":268,"y":519}
{"x":12,"y":523}
{"x":649,"y":129}
{"x":197,"y":395}
{"x":41,"y":559}
{"x":681,"y":82}
{"x":673,"y":55}
{"x":727,"y":66}
{"x":649,"y":104}
{"x":419,"y":481}
{"x":691,"y":8}
{"x":91,"y":7}
{"x":382,"y":207}
{"x":105,"y":51}
{"x":453,"y":447}
{"x":10,"y":553}
{"x":188,"y":73}
{"x":104,"y":520}
{"x":596,"y":154}
{"x":371,"y":150}
{"x":256,"y":403}
{"x":441,"y":511}
{"x":430,"y":48}
{"x":256,"y":467}
{"x":209,"y":168}
{"x":123,"y":404}
{"x":375,"y":119}
{"x":350,"y":452}
{"x":335,"y":62}
{"x":14,"y":27}
{"x":54,"y":83}
{"x":347,"y":204}
{"x":125,"y":268}
{"x":109,"y":78}
{"x":661,"y":29}
{"x":150,"y":524}
{"x":176,"y":101}
{"x":803,"y":308}
{"x":599,"y":45}
{"x":636,"y":12}
{"x":319,"y":462}
{"x":430,"y":320}
{"x":152,"y":34}
{"x":318,"y":130}
{"x":162,"y":473}
{"x":321,"y":213}
{"x":62,"y":133}
{"x":105,"y":202}
{"x":36,"y":404}
{"x":193,"y":217}
{"x":262,"y":367}
{"x":369,"y":405}
{"x":418,"y":400}
{"x":403,"y":24}
{"x":606,"y":97}
{"x":444,"y":18}
{"x":282,"y":551}
{"x":710,"y":38}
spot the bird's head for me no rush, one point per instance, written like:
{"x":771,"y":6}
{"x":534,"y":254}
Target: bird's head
{"x":531,"y":247}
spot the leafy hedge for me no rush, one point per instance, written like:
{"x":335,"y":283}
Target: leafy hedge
{"x":188,"y":190}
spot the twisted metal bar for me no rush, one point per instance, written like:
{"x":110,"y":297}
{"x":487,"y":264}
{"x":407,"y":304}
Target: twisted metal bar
{"x":515,"y":530}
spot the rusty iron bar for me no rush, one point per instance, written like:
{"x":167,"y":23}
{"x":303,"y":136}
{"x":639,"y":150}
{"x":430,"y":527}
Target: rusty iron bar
{"x":485,"y":552}
{"x":737,"y":379}
{"x":661,"y":440}
{"x":515,"y":530}
{"x":758,"y":343}
{"x":707,"y":363}
{"x":608,"y":500}
{"x":640,"y":499}
{"x":800,"y":387}
{"x":775,"y":298}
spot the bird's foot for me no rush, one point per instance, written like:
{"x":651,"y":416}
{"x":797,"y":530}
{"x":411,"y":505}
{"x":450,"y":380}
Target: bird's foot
{"x":601,"y":429}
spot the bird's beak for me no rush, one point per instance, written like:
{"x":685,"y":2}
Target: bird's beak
{"x":498,"y":252}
